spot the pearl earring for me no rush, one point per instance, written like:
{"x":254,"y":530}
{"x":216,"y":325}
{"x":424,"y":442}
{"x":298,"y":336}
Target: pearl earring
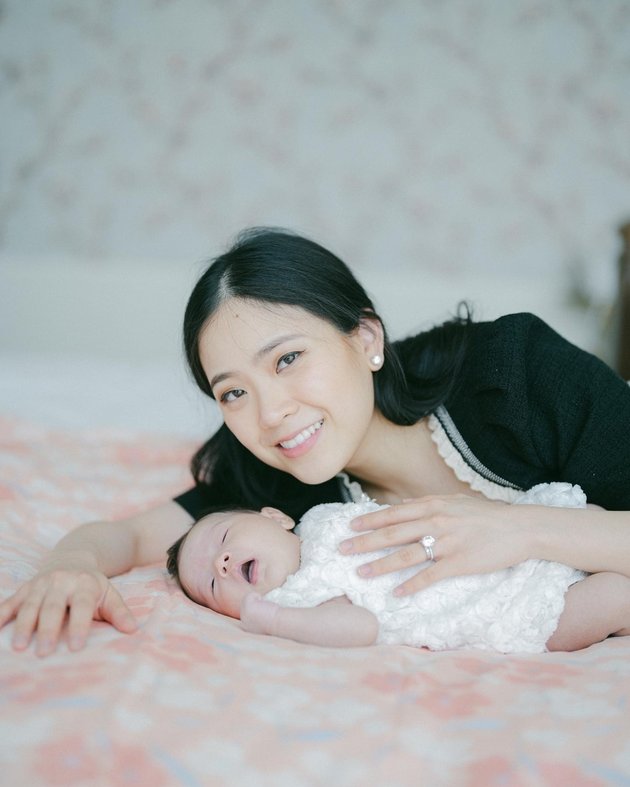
{"x":376,"y":361}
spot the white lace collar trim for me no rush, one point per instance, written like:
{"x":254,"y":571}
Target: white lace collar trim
{"x":351,"y":490}
{"x":463,"y":471}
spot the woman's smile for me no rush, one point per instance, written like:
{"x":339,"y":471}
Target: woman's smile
{"x":302,"y":440}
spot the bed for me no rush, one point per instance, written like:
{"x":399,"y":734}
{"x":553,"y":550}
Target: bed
{"x":190,"y":699}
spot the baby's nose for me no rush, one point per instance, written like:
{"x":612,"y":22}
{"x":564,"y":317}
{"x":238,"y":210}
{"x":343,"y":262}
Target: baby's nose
{"x":222,"y":563}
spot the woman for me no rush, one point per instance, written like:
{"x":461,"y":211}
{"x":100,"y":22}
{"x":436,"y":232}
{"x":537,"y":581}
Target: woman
{"x":447,"y":427}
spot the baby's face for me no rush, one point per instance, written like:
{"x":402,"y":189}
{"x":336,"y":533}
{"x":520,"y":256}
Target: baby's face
{"x":229,"y":554}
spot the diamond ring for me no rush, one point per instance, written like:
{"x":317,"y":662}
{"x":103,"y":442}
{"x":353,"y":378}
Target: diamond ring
{"x":428,"y":542}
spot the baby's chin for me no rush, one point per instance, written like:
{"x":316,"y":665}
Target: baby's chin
{"x":278,"y":583}
{"x":280,"y":579}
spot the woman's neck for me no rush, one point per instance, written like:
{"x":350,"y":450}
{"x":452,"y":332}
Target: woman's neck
{"x":391,"y":463}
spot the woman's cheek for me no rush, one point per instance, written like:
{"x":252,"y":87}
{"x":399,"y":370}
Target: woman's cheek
{"x":239,"y":422}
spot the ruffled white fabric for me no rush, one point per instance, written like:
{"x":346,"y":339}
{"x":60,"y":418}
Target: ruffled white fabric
{"x":464,"y":471}
{"x":510,"y":611}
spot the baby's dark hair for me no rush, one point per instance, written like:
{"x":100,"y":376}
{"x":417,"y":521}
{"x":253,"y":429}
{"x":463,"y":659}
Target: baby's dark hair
{"x":173,"y":552}
{"x":172,"y":557}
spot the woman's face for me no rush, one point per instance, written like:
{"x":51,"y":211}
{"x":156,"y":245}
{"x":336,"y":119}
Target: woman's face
{"x":292,"y":389}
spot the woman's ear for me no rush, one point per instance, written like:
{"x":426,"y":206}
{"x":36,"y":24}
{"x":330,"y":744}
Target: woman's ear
{"x":279,"y":516}
{"x":370,"y":333}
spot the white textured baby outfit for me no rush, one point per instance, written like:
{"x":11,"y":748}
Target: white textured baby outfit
{"x":510,"y":611}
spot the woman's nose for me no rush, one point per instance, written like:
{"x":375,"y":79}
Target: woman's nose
{"x":274,"y":406}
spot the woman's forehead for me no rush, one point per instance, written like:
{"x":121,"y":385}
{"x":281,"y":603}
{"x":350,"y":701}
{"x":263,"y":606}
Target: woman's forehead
{"x":260,"y":315}
{"x":252,"y":328}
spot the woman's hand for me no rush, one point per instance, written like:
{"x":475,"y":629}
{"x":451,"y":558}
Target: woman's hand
{"x":42,"y":606}
{"x":72,"y":582}
{"x":472,"y":536}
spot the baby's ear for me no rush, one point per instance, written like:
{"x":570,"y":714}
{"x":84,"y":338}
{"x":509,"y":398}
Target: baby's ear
{"x":280,"y":517}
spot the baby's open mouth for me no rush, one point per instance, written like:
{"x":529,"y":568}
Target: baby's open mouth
{"x":247,"y":570}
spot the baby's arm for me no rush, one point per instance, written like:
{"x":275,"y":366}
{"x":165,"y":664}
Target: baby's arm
{"x":595,"y":608}
{"x":336,"y":623}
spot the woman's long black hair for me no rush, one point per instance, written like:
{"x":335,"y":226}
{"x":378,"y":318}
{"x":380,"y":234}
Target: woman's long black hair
{"x":277,"y":266}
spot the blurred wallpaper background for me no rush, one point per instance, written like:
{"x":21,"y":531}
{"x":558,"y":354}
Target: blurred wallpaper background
{"x":459,"y":149}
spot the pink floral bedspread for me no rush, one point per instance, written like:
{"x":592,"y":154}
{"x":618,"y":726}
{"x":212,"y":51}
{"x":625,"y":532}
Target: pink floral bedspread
{"x":192,"y":700}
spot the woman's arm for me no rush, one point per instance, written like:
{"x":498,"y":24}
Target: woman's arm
{"x":72,"y":583}
{"x":335,"y":624}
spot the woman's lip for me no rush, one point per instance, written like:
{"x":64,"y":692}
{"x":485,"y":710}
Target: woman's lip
{"x":315,"y":426}
{"x":301,"y":448}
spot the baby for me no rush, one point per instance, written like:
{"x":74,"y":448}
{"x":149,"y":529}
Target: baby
{"x":297,"y":585}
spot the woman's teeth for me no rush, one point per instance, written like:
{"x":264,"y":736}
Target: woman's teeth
{"x":302,"y":436}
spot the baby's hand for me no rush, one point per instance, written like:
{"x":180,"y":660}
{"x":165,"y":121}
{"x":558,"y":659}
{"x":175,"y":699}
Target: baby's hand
{"x":258,"y":615}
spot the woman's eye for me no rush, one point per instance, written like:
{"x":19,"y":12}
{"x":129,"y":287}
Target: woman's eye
{"x":287,"y":360}
{"x":231,"y":396}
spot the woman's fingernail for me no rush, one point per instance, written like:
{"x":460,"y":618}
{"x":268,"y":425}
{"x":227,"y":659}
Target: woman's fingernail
{"x":345,"y":547}
{"x":20,"y":642}
{"x":355,"y":524}
{"x":400,"y":591}
{"x":365,"y":571}
{"x":76,"y":643}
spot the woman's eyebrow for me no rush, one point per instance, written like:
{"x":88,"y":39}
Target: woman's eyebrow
{"x":218,"y":378}
{"x":264,"y":350}
{"x":271,"y":345}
